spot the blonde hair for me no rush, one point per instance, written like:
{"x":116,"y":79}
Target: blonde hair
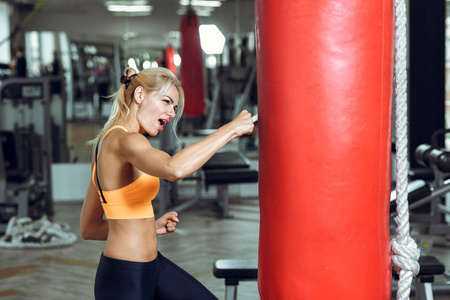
{"x":153,"y":79}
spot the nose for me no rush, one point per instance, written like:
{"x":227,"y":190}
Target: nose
{"x":171,"y":113}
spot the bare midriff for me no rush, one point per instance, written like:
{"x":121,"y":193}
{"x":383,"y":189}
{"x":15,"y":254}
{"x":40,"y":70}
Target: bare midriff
{"x":132,"y":240}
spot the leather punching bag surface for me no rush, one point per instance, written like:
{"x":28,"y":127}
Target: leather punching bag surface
{"x":192,"y":65}
{"x":325,"y":70}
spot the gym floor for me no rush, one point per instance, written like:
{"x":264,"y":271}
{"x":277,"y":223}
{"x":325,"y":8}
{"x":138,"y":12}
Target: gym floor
{"x":200,"y":239}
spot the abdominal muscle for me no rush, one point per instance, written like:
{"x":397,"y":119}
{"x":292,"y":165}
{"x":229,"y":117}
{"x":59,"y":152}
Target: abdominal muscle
{"x":132,"y":240}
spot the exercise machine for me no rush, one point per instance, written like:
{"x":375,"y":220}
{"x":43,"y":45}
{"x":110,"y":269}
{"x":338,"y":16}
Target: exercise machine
{"x":221,"y":170}
{"x":437,"y":211}
{"x":32,"y":132}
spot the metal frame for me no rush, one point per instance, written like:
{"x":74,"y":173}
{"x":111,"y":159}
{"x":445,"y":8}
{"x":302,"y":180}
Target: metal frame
{"x":42,"y":126}
{"x":440,"y":188}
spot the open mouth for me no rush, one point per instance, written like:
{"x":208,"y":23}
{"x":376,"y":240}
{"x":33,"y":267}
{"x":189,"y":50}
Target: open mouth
{"x":161,"y":123}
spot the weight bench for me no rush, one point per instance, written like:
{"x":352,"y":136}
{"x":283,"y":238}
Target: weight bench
{"x":429,"y":267}
{"x":225,"y":168}
{"x":221,"y":170}
{"x":235,"y":270}
{"x":422,"y":283}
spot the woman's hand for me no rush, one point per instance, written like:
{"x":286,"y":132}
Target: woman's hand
{"x":167,"y":223}
{"x":243,"y":123}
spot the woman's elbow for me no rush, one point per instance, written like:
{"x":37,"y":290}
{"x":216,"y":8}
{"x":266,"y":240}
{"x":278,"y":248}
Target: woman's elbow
{"x":88,"y":232}
{"x":175,"y":174}
{"x":85,"y":233}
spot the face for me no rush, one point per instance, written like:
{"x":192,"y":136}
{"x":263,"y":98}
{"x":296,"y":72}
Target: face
{"x":155,"y":111}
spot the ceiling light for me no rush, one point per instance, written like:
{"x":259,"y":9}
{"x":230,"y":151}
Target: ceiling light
{"x":132,"y":64}
{"x":211,"y":62}
{"x":177,"y":59}
{"x":211,"y":39}
{"x":125,"y":2}
{"x":174,"y":34}
{"x":132,"y":14}
{"x":200,"y":14}
{"x":204,"y":13}
{"x":146,"y":65}
{"x":130,"y":8}
{"x":201,"y":3}
{"x":129,"y":35}
{"x":199,"y":11}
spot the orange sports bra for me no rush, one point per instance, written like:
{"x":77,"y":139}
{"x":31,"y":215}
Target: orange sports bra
{"x":133,"y":201}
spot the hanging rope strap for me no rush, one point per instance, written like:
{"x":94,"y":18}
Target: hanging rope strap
{"x":24,"y":22}
{"x":405,"y":253}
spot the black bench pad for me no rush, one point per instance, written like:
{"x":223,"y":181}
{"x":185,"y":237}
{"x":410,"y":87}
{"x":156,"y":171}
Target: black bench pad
{"x":227,"y":160}
{"x":236,"y":268}
{"x":228,"y":176}
{"x":248,"y":268}
{"x":430,"y":265}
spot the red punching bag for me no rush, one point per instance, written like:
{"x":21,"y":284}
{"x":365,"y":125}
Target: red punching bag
{"x":192,"y":65}
{"x":325,"y":70}
{"x":169,"y":52}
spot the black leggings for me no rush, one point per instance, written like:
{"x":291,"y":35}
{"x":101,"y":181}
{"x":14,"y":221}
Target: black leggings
{"x":159,"y":279}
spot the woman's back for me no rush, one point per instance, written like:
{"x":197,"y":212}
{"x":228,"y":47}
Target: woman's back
{"x":129,"y":238}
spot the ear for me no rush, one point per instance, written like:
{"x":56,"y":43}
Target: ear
{"x":138,"y":95}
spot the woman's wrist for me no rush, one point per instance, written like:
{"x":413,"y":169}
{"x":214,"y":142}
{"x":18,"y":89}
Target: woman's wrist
{"x":230,"y":129}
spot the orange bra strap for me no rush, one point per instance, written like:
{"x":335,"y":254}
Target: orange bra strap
{"x":114,"y":127}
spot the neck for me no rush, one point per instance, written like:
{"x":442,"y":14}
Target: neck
{"x":131,"y":119}
{"x":128,"y":125}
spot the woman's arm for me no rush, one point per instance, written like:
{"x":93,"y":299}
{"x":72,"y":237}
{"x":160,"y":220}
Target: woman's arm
{"x":92,"y":224}
{"x":136,"y":149}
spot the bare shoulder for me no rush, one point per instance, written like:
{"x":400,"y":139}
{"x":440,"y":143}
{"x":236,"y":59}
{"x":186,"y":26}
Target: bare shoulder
{"x":132,"y":139}
{"x":131,"y":143}
{"x":118,"y":142}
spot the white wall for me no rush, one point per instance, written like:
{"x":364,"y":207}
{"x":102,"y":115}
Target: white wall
{"x":70,"y":181}
{"x":5,"y":51}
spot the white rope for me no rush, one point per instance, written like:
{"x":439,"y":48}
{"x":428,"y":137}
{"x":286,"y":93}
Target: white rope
{"x":24,"y":233}
{"x":405,"y":253}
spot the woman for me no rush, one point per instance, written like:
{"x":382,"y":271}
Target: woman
{"x":125,"y":178}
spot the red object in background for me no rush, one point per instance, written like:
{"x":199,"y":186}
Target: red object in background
{"x":169,"y":52}
{"x":325,"y":71}
{"x":191,"y":54}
